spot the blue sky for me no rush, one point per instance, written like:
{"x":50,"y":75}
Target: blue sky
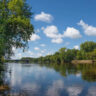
{"x":60,"y":23}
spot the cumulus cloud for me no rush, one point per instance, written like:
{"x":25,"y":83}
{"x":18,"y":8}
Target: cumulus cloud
{"x":34,"y":37}
{"x":42,"y":45}
{"x":36,"y":48}
{"x":76,"y":47}
{"x":72,"y":33}
{"x":57,"y":40}
{"x":45,"y":17}
{"x":88,"y":29}
{"x":53,"y":33}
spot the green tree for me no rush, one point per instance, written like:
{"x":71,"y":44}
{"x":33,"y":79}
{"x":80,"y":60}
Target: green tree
{"x":62,"y":52}
{"x":88,"y":46}
{"x":15,"y":26}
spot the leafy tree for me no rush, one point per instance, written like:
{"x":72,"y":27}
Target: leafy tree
{"x":15,"y":26}
{"x":70,"y":55}
{"x":88,"y":46}
{"x":62,"y":52}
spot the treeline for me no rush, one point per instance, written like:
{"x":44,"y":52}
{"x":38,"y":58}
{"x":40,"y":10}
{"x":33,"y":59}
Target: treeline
{"x":87,"y":51}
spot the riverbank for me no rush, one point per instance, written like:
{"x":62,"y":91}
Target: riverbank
{"x":4,"y":87}
{"x":83,"y":61}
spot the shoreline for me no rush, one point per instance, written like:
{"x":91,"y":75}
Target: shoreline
{"x":83,"y":61}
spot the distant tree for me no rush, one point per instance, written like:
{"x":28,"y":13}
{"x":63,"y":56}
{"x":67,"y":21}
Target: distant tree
{"x":62,"y":52}
{"x":88,"y":46}
{"x":15,"y":26}
{"x":70,"y":55}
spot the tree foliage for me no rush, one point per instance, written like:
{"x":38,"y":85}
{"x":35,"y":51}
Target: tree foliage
{"x":15,"y":26}
{"x":65,"y":55}
{"x":88,"y":46}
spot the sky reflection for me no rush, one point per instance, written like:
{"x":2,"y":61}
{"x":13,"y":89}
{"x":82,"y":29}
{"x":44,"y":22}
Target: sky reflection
{"x":37,"y":80}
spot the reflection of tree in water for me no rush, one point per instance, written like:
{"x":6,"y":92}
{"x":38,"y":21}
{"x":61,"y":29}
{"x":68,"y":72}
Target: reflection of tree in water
{"x":1,"y":74}
{"x":4,"y":88}
{"x":87,"y":71}
{"x":63,"y":69}
{"x":89,"y":74}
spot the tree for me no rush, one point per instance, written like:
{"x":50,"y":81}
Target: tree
{"x":70,"y":55}
{"x":88,"y":46}
{"x":15,"y":26}
{"x":62,"y":52}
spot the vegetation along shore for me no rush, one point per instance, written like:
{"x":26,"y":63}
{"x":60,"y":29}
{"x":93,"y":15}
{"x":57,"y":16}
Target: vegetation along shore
{"x":86,"y":54}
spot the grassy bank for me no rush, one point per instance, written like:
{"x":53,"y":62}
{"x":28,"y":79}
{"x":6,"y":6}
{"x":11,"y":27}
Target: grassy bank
{"x":83,"y":61}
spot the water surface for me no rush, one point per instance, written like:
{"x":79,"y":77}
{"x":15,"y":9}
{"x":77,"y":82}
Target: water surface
{"x":51,"y":80}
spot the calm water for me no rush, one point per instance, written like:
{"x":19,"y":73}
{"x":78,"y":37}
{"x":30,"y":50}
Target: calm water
{"x":53,"y":80}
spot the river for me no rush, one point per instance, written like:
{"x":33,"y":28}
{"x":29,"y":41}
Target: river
{"x":50,"y":80}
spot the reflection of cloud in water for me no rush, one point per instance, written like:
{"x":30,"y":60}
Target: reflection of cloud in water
{"x":74,"y":90}
{"x":21,"y":72}
{"x":78,"y":75}
{"x":33,"y":86}
{"x":55,"y":89}
{"x":31,"y":89}
{"x":15,"y":75}
{"x":92,"y":91}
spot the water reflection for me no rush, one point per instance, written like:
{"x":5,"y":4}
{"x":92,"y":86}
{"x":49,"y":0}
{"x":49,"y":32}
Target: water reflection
{"x":86,"y":71}
{"x":92,"y":91}
{"x":55,"y":88}
{"x":51,"y":80}
{"x":74,"y":90}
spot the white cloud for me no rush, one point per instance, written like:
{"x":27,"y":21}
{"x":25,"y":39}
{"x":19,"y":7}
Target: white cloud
{"x":36,"y":48}
{"x":45,"y":17}
{"x":76,"y":47}
{"x":34,"y":37}
{"x":57,"y":40}
{"x":42,"y":28}
{"x":53,"y":33}
{"x":50,"y":53}
{"x":42,"y":51}
{"x":42,"y":45}
{"x":39,"y":54}
{"x":72,"y":33}
{"x":88,"y":29}
{"x":17,"y":56}
{"x":30,"y":52}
